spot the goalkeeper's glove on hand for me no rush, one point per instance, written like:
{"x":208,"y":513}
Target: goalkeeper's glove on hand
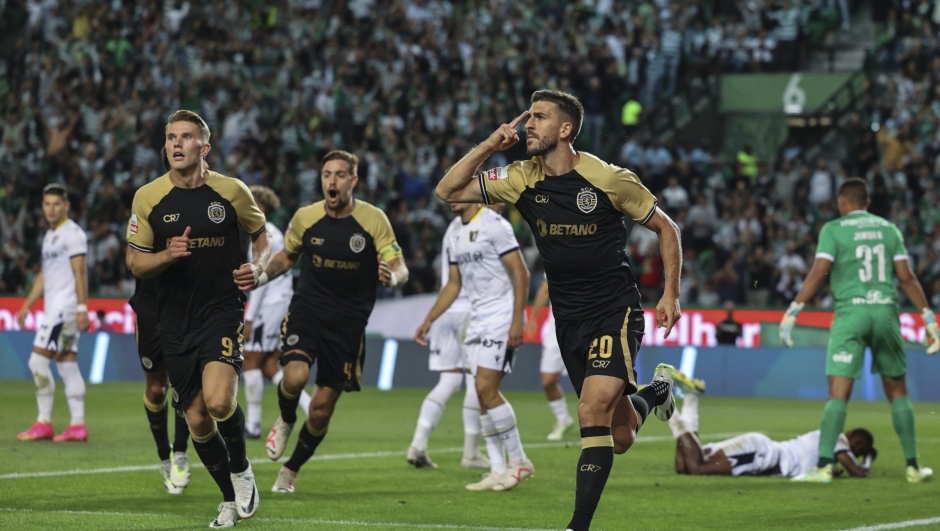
{"x":788,"y":322}
{"x":932,"y":335}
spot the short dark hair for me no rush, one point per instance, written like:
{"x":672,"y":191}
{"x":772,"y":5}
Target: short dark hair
{"x":191,"y":117}
{"x":568,"y":104}
{"x":339,"y":154}
{"x":56,"y":189}
{"x":855,"y":190}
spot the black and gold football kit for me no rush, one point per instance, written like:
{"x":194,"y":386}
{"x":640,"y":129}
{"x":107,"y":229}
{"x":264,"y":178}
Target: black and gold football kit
{"x":144,"y":303}
{"x":339,"y":275}
{"x":578,"y":220}
{"x":200,"y":310}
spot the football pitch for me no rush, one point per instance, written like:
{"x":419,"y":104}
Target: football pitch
{"x":359,"y":478}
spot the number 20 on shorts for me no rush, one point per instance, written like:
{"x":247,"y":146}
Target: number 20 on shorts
{"x":601,"y":346}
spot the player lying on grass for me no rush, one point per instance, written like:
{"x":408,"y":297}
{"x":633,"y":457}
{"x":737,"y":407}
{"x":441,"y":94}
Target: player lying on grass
{"x":755,"y":454}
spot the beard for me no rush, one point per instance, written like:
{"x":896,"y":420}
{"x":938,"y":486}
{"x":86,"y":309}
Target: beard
{"x":544,"y":146}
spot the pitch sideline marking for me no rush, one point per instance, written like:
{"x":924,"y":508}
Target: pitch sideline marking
{"x":317,"y":521}
{"x":897,"y":525}
{"x":327,"y":457}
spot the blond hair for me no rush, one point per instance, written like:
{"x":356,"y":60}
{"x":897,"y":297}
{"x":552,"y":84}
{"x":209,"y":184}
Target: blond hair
{"x":265,"y":196}
{"x":191,"y":117}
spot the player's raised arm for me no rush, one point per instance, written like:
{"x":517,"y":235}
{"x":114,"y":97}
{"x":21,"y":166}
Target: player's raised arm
{"x":448,"y":294}
{"x":458,"y":185}
{"x":668,"y":311}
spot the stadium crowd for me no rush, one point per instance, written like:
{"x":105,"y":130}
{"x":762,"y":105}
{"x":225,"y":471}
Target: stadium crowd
{"x":409,"y":86}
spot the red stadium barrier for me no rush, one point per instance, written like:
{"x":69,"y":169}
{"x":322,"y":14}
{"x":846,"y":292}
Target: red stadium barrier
{"x":696,"y":328}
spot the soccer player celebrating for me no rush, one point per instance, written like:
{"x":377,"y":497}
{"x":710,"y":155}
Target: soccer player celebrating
{"x":449,"y":357}
{"x":184,"y":233}
{"x":347,"y":247}
{"x":176,"y":474}
{"x":485,"y":258}
{"x":575,"y":204}
{"x":755,"y":454}
{"x":63,"y":284}
{"x":551,"y":366}
{"x":861,"y":253}
{"x":267,"y":307}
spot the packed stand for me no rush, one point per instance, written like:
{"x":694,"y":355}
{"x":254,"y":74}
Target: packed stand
{"x":408,"y":85}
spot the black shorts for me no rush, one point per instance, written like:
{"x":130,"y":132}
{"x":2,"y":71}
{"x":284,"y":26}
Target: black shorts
{"x":341,"y":352}
{"x":603,"y":346}
{"x":186,"y":355}
{"x":148,"y":344}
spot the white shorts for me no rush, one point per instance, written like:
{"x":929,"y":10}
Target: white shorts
{"x":59,"y":333}
{"x":266,"y":328}
{"x":446,"y":340}
{"x":551,"y":353}
{"x":491,"y":351}
{"x":751,"y":454}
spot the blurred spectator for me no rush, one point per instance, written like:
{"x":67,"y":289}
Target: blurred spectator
{"x":728,"y":331}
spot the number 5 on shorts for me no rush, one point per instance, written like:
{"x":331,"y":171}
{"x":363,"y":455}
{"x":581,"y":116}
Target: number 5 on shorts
{"x":606,"y":344}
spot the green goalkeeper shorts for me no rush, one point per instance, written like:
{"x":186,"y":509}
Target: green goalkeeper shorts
{"x":857,"y":327}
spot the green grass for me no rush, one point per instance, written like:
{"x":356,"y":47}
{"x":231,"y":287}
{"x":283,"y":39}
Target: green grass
{"x":382,"y":492}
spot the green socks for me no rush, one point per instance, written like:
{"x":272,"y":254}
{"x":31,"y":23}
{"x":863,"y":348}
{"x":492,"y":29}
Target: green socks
{"x":903,"y":416}
{"x":833,"y":422}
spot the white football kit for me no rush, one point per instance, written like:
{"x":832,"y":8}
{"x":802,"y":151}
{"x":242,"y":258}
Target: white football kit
{"x":551,"y":362}
{"x":446,"y":336}
{"x":268,"y":304}
{"x":756,"y":454}
{"x":477,"y":251}
{"x":59,"y":330}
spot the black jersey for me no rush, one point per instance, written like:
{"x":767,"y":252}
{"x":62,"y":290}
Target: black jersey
{"x":144,"y":301}
{"x":197,"y":288}
{"x":579,"y":227}
{"x":339,"y":270}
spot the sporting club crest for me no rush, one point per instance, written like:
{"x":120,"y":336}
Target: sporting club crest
{"x":587,"y":200}
{"x":147,"y":362}
{"x":473,"y":235}
{"x":216,"y":212}
{"x":357,"y":243}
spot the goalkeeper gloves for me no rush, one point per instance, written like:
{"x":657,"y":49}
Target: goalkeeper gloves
{"x":788,"y":322}
{"x":932,"y":336}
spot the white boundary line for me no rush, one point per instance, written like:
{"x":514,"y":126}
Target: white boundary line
{"x":326,"y":457}
{"x":897,"y":525}
{"x":307,"y":521}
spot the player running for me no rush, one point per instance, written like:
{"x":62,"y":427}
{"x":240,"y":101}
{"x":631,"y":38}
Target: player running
{"x":551,"y":365}
{"x":267,"y":307}
{"x":449,"y":357}
{"x":184,"y":232}
{"x":755,"y":454}
{"x":347,"y":247}
{"x":485,"y":258}
{"x":861,"y":253}
{"x":176,"y":473}
{"x":63,"y":284}
{"x":575,"y":204}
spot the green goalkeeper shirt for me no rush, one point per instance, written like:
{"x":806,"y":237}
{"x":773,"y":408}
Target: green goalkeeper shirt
{"x":862,"y":248}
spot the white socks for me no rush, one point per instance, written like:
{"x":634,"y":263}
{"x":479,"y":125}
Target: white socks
{"x":45,"y":385}
{"x":304,"y":395}
{"x":560,"y":409}
{"x":433,"y":407}
{"x":254,"y":391}
{"x":504,"y":420}
{"x":494,"y":445}
{"x":690,"y":411}
{"x":74,"y":390}
{"x":471,"y":419}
